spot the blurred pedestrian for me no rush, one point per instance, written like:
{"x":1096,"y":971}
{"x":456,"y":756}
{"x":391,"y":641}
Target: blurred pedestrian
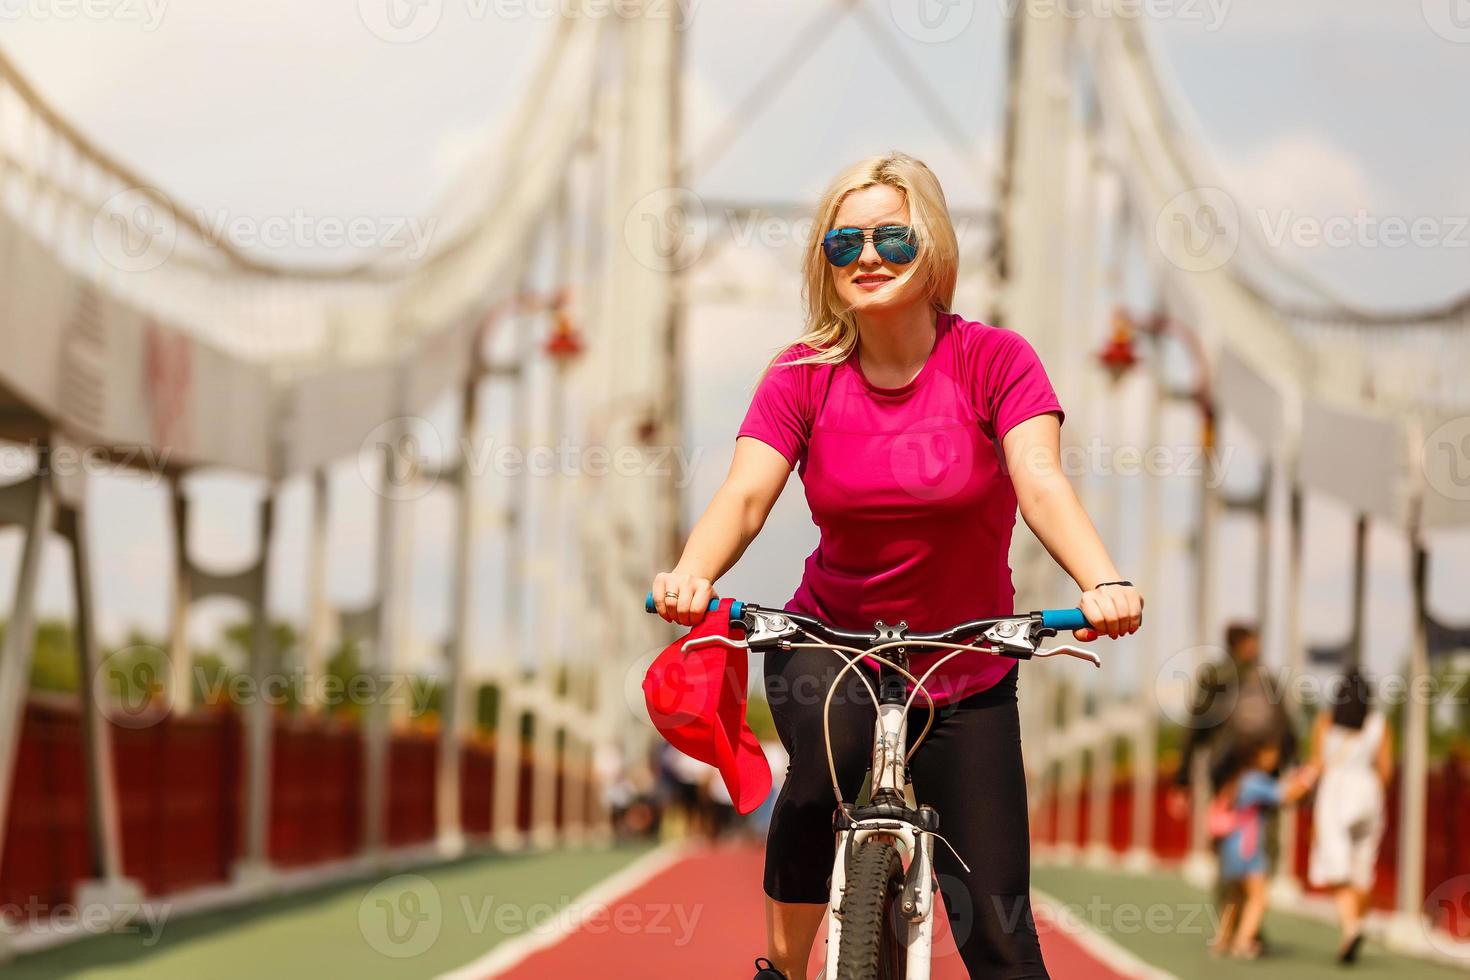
{"x":778,"y":759}
{"x":1352,"y":742}
{"x":1247,"y":793}
{"x":723,"y":820}
{"x":1237,"y":702}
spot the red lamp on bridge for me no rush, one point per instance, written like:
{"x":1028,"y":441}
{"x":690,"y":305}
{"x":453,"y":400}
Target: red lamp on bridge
{"x":565,"y":342}
{"x":1119,"y":354}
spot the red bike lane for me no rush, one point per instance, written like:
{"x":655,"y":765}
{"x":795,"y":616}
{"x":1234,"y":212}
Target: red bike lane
{"x":703,"y":917}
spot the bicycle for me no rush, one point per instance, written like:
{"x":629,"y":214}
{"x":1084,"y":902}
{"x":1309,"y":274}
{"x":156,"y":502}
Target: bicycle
{"x":873,"y":885}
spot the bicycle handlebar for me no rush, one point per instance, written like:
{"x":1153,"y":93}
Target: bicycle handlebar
{"x":1052,"y":619}
{"x":1064,"y":619}
{"x":737,"y":608}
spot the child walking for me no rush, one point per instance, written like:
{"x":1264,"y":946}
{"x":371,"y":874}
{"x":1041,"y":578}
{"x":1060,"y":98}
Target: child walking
{"x":1237,"y":820}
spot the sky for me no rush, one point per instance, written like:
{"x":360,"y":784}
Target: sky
{"x":1310,"y":111}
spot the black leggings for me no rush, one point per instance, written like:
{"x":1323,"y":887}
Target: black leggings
{"x":968,"y":768}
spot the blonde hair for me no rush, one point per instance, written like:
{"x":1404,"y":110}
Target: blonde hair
{"x":831,"y":328}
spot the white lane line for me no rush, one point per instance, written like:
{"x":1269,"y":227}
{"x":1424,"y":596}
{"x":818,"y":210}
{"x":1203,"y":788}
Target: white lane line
{"x":595,"y":899}
{"x":1094,"y":942}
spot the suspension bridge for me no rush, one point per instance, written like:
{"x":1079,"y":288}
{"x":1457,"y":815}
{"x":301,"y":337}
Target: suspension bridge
{"x":295,"y":837}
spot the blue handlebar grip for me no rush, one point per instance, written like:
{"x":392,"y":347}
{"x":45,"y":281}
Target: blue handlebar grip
{"x":737,"y":608}
{"x":1060,"y":619}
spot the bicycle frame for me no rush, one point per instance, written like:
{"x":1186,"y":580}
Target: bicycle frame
{"x":888,"y":813}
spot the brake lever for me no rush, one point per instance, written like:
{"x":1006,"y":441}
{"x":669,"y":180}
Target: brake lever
{"x":1067,"y":649}
{"x":704,"y":641}
{"x":762,"y":630}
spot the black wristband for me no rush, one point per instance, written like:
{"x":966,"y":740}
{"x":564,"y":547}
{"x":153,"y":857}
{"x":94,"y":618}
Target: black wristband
{"x":1121,"y":582}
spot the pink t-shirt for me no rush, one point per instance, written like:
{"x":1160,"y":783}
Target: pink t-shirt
{"x":908,"y":486}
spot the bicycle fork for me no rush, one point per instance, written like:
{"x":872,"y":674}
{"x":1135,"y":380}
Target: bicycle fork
{"x":889,"y":815}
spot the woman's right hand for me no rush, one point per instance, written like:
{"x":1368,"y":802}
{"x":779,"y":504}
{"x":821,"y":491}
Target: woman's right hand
{"x":690,"y":600}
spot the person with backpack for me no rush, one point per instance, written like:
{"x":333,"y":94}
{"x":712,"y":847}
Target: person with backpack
{"x":1237,"y":820}
{"x":1236,"y":702}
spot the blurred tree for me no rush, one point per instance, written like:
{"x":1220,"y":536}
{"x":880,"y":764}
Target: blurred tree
{"x":344,"y":668}
{"x":54,"y":663}
{"x":212,"y":679}
{"x":136,"y":672}
{"x":487,"y":707}
{"x":758,"y":715}
{"x":428,"y":696}
{"x":282,"y":642}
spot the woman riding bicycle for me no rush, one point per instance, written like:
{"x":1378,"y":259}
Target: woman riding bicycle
{"x":916,"y":433}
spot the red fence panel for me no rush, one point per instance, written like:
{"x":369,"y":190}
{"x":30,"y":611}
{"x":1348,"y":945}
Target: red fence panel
{"x":179,"y":791}
{"x":413,"y":762}
{"x":316,"y":791}
{"x":1044,"y":817}
{"x":1171,"y":834}
{"x":559,"y":807}
{"x":47,"y":848}
{"x":477,"y":787}
{"x":1120,"y":815}
{"x":1447,"y":846}
{"x":525,"y":781}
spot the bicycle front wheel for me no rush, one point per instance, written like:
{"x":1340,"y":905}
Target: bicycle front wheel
{"x":872,"y":947}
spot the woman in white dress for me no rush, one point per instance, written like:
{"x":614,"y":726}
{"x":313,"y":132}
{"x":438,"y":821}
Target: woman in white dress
{"x":1352,"y":743}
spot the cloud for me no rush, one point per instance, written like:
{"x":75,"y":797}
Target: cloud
{"x":1302,"y":173}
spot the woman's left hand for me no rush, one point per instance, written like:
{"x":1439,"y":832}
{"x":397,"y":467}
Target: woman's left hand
{"x":1114,"y":610}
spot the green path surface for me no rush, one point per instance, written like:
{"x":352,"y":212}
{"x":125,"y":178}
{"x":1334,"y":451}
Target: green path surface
{"x":415,"y":924}
{"x":1164,"y":921}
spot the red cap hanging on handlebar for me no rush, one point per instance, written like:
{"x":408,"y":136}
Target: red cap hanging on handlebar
{"x":696,"y":700}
